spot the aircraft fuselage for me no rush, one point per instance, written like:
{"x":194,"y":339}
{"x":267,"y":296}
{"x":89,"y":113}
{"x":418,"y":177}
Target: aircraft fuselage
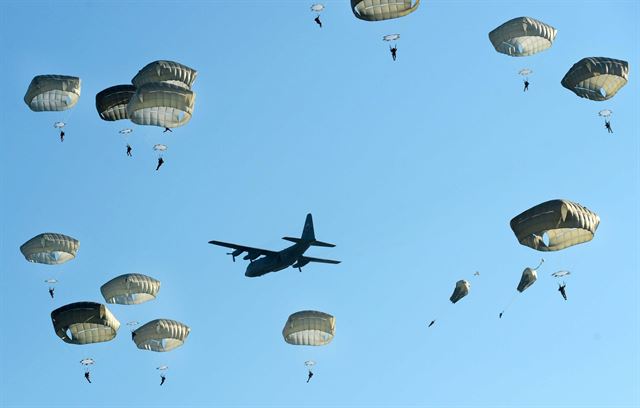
{"x":278,"y":262}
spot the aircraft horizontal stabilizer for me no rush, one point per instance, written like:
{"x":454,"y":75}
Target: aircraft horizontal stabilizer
{"x":312,"y":243}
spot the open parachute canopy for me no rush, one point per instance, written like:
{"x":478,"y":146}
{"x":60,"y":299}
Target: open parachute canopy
{"x":309,"y":363}
{"x":87,"y":361}
{"x":130,"y":289}
{"x":111,"y":103}
{"x":162,"y":368}
{"x":522,"y":36}
{"x":59,"y":125}
{"x":170,"y":72}
{"x":125,"y":131}
{"x":560,"y":274}
{"x":461,"y":290}
{"x":160,"y":148}
{"x":376,"y":10}
{"x":84,"y":323}
{"x":50,"y":248}
{"x":309,"y":328}
{"x":52,"y":93}
{"x":317,"y":7}
{"x":525,"y":72}
{"x":161,"y":104}
{"x":564,"y":223}
{"x":596,"y":78}
{"x":605,"y":113}
{"x":161,"y":335}
{"x":51,"y":281}
{"x":391,"y":37}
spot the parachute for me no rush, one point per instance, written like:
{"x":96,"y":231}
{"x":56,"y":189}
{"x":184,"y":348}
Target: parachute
{"x":52,"y":93}
{"x":130,"y":289}
{"x":84,"y":323}
{"x":525,"y":72}
{"x":161,"y":104}
{"x":51,"y":281}
{"x":162,"y":368}
{"x":50,"y":248}
{"x":125,"y":131}
{"x":529,"y":276}
{"x":169,"y":72}
{"x":596,"y":78}
{"x":605,"y":113}
{"x":561,"y":274}
{"x":555,"y":225}
{"x":111,"y":103}
{"x":160,"y":148}
{"x":391,"y":37}
{"x":522,"y":36}
{"x":87,"y":362}
{"x":376,"y":10}
{"x":317,"y":8}
{"x":309,"y":364}
{"x":59,"y":125}
{"x":461,"y":290}
{"x":161,"y":335}
{"x":309,"y":328}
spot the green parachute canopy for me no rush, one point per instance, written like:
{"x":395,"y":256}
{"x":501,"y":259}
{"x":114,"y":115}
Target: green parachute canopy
{"x":50,"y":248}
{"x":596,"y":78}
{"x":165,"y":71}
{"x":130,"y":289}
{"x":522,"y":36}
{"x":84,"y":323}
{"x":376,"y":10}
{"x":161,"y":104}
{"x":52,"y":93}
{"x":309,"y":328}
{"x":111,"y":103}
{"x":563,"y":223}
{"x":160,"y":335}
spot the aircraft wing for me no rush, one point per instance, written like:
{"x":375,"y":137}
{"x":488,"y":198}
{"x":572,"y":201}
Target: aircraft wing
{"x":238,"y":249}
{"x":307,"y":259}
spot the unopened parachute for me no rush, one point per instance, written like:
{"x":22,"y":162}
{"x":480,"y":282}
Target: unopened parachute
{"x":84,"y":323}
{"x":52,"y":93}
{"x":563,"y":222}
{"x":111,"y":103}
{"x":597,"y":78}
{"x":50,"y":248}
{"x":130,"y":289}
{"x":461,"y":290}
{"x":376,"y":10}
{"x":522,"y":36}
{"x":309,"y":328}
{"x":161,"y":335}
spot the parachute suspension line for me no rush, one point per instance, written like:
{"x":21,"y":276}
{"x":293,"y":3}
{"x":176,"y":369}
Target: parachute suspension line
{"x":513,"y":299}
{"x":539,"y":265}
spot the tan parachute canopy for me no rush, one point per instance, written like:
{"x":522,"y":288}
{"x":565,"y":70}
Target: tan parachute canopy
{"x":529,"y":276}
{"x":50,"y":248}
{"x":52,"y":93}
{"x":522,"y":36}
{"x":596,"y":78}
{"x":309,"y":328}
{"x":111,"y":103}
{"x":161,"y":104}
{"x":84,"y":323}
{"x":160,"y":335}
{"x":130,"y":289}
{"x":461,"y":290}
{"x":565,"y":223}
{"x":376,"y":10}
{"x":165,"y":71}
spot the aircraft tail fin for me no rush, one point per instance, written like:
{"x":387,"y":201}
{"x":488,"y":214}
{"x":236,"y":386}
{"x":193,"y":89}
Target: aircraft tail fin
{"x":307,"y":232}
{"x":308,"y":235}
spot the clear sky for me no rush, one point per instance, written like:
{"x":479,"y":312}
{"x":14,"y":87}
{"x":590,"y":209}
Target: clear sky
{"x":413,"y":168}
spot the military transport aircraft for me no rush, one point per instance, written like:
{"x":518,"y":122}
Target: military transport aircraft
{"x":274,"y":261}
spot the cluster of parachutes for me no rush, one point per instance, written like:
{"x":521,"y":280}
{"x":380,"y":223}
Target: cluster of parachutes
{"x":160,"y":95}
{"x":90,"y":322}
{"x":594,"y":78}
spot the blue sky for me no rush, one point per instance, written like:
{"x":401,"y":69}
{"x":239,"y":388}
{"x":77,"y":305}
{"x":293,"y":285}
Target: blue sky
{"x":413,"y":168}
